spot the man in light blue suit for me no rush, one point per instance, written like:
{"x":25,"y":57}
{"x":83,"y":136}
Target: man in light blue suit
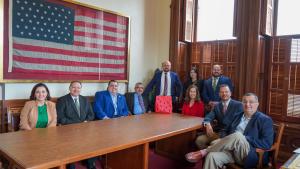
{"x":211,"y":86}
{"x":109,"y":103}
{"x":166,"y":83}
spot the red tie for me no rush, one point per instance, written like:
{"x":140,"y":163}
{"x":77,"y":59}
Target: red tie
{"x":166,"y":85}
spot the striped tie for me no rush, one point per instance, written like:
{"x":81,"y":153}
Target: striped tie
{"x":141,"y":102}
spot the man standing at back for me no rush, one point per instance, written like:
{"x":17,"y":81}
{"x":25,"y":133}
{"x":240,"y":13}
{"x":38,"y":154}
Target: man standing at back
{"x":74,"y":108}
{"x":212,"y":85}
{"x":166,"y":83}
{"x":224,"y":113}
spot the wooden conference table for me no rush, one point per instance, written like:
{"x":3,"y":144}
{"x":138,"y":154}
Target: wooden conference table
{"x":125,"y":140}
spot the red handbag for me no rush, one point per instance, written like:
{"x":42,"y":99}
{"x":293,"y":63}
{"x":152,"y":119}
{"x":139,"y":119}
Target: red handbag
{"x":163,"y":104}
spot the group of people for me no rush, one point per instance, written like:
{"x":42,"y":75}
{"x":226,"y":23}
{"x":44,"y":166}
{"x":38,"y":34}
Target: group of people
{"x":240,"y":127}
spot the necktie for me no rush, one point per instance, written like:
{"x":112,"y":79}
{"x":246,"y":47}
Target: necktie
{"x":141,"y":102}
{"x":214,"y":84}
{"x":166,"y":85}
{"x":77,"y":106}
{"x":224,"y":108}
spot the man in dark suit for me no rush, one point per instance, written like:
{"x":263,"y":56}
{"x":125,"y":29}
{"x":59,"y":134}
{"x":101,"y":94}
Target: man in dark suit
{"x":211,"y":86}
{"x":224,"y":112}
{"x":137,"y":103}
{"x":74,"y":108}
{"x":249,"y":130}
{"x":166,"y":83}
{"x":109,"y":103}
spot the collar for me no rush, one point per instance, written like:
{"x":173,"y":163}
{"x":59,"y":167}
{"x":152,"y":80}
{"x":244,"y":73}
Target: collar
{"x":226,"y":102}
{"x":75,"y":97}
{"x":112,"y":94}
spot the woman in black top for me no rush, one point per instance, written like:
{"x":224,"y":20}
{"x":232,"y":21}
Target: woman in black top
{"x":195,"y":80}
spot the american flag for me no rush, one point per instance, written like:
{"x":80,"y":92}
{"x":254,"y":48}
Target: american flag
{"x":59,"y":40}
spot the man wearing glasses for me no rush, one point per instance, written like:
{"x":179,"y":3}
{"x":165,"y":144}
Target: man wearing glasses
{"x":250,"y":129}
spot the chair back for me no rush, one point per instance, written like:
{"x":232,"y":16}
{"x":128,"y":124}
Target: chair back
{"x":275,"y":147}
{"x":13,"y":115}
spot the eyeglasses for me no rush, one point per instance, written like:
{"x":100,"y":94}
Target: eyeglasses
{"x":250,"y":102}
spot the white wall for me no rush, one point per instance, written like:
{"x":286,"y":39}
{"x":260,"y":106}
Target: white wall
{"x":150,"y":25}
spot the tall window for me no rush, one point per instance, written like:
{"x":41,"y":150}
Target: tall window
{"x":288,"y":16}
{"x":215,"y":19}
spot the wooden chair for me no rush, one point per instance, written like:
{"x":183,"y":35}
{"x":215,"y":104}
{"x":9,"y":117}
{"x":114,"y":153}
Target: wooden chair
{"x":274,"y":150}
{"x":13,"y":115}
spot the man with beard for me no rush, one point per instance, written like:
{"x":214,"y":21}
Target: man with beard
{"x":224,"y":113}
{"x":166,"y":83}
{"x":212,"y":85}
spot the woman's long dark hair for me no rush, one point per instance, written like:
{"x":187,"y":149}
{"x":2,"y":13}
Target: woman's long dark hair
{"x":32,"y":95}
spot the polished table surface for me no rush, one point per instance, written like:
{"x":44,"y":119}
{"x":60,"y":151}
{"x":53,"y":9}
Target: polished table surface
{"x":56,"y":146}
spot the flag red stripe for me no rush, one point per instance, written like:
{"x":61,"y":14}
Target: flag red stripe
{"x":99,"y":27}
{"x":70,"y":73}
{"x":24,"y":74}
{"x":98,"y":15}
{"x":97,"y":46}
{"x":98,"y":36}
{"x":28,"y":59}
{"x":64,"y":52}
{"x":114,"y":18}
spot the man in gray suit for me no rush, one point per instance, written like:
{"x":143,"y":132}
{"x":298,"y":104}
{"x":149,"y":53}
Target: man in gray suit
{"x":224,"y":113}
{"x":137,"y":103}
{"x":74,"y":108}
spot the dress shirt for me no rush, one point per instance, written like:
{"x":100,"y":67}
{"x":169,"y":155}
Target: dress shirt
{"x":137,"y":109}
{"x":75,"y":97}
{"x":243,"y":124}
{"x":162,"y":82}
{"x":114,"y":99}
{"x":226,"y":103}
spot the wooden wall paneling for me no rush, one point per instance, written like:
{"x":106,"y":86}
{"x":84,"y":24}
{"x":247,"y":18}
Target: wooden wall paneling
{"x":174,"y":29}
{"x":262,"y":80}
{"x":179,"y":51}
{"x":206,"y":54}
{"x":249,"y":70}
{"x":182,"y":60}
{"x":276,"y":102}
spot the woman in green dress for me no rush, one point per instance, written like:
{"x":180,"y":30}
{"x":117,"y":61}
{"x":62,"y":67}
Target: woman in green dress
{"x":39,"y":112}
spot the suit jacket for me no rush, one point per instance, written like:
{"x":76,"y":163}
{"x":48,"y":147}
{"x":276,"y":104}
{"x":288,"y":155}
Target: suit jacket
{"x":176,"y":86}
{"x":67,"y":112}
{"x":259,"y":134}
{"x":208,"y":93}
{"x":103,"y":105}
{"x":29,"y":115}
{"x":224,"y":120}
{"x":130,"y":102}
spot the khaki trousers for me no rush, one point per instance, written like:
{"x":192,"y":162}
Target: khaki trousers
{"x":203,"y":141}
{"x":230,"y":149}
